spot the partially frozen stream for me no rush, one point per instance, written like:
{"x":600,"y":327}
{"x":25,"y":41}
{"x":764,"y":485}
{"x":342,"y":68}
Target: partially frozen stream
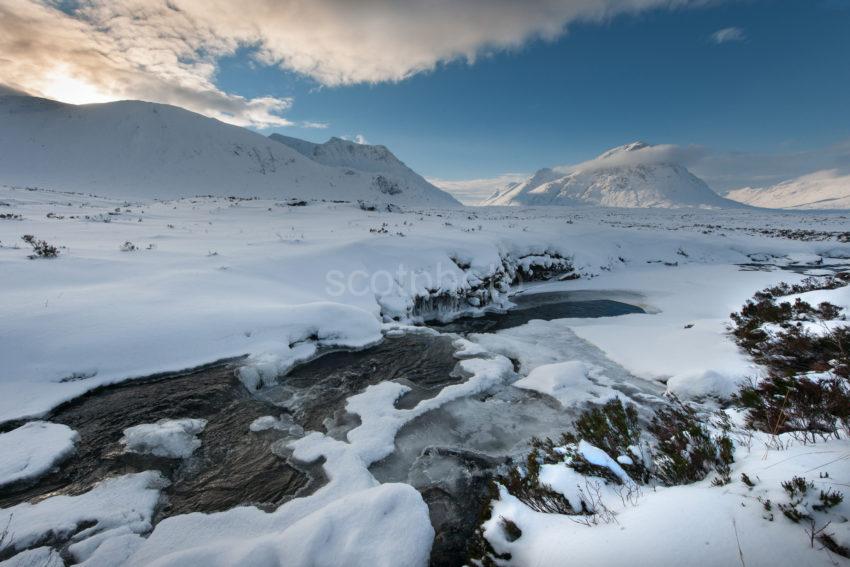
{"x":447,"y":453}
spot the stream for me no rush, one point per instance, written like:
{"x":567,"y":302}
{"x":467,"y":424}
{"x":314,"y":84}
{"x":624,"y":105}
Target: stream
{"x":447,"y":454}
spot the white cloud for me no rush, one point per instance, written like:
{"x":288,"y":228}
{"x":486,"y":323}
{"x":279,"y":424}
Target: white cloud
{"x":168,"y":51}
{"x":357,"y":138}
{"x":473,"y":191}
{"x":728,"y":35}
{"x":648,"y":155}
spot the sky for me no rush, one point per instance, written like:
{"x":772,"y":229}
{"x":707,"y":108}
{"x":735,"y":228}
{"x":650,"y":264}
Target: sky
{"x":476,"y":92}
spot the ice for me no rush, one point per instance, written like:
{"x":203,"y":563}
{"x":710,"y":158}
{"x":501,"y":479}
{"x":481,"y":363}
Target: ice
{"x":572,"y":383}
{"x":34,"y":449}
{"x":172,"y":438}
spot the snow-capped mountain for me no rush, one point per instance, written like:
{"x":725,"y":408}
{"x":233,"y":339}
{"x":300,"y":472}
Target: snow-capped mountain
{"x":377,"y":160}
{"x":827,"y":189}
{"x":133,"y":149}
{"x":631,"y":176}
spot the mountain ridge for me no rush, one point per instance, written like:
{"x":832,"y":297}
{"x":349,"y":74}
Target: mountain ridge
{"x":138,"y":150}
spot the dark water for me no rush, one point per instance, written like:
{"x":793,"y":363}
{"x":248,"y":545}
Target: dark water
{"x":546,"y":306}
{"x":315,"y":393}
{"x":235,"y":466}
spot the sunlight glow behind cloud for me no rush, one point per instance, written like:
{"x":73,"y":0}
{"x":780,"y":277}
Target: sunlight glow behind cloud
{"x":169,"y":51}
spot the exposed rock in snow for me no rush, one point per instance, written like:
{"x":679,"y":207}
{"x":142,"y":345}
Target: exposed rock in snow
{"x":139,"y":150}
{"x":172,"y":438}
{"x":33,"y":449}
{"x":629,"y":176}
{"x":827,"y":189}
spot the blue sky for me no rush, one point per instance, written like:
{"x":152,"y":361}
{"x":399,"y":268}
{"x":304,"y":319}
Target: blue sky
{"x":656,"y":76}
{"x":750,"y":92}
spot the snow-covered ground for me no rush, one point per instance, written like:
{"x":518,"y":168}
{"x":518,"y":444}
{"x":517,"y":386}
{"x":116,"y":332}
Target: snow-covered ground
{"x":141,"y":288}
{"x":696,"y":524}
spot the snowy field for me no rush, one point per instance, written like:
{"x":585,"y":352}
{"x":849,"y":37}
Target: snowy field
{"x":144,"y":288}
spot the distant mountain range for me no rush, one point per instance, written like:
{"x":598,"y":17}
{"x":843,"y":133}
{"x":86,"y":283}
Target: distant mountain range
{"x":627,"y":176}
{"x":827,"y":189}
{"x":138,"y":150}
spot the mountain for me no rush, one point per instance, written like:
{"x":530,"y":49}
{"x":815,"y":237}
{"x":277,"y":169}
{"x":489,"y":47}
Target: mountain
{"x":138,"y":150}
{"x":827,"y":189}
{"x":376,"y":160}
{"x":636,"y":175}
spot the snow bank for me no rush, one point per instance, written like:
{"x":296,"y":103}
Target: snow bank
{"x":684,"y":340}
{"x":121,"y":502}
{"x":172,"y":438}
{"x":34,"y":449}
{"x":38,"y":557}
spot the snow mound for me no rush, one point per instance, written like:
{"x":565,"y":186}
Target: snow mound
{"x":142,"y":150}
{"x":572,"y":383}
{"x":629,"y":176}
{"x":827,"y":189}
{"x":172,"y":438}
{"x":33,"y":449}
{"x":125,"y":502}
{"x":38,"y":557}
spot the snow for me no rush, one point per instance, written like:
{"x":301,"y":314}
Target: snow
{"x":826,"y":189}
{"x":121,"y":502}
{"x":572,"y":383}
{"x":596,"y":456}
{"x":248,"y":281}
{"x":697,"y":524}
{"x":172,"y":438}
{"x":134,"y":150}
{"x":277,"y":286}
{"x":37,"y":557}
{"x":34,"y":449}
{"x":612,"y":181}
{"x":694,"y":361}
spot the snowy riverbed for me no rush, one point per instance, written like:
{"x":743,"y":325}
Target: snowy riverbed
{"x":211,"y":278}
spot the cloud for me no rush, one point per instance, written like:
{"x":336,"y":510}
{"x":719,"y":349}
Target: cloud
{"x":639,"y":154}
{"x":728,"y":35}
{"x":314,"y":125}
{"x":168,"y":50}
{"x":357,"y":138}
{"x":473,"y":191}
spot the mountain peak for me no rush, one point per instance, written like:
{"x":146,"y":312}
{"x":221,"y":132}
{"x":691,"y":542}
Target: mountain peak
{"x":616,"y":180}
